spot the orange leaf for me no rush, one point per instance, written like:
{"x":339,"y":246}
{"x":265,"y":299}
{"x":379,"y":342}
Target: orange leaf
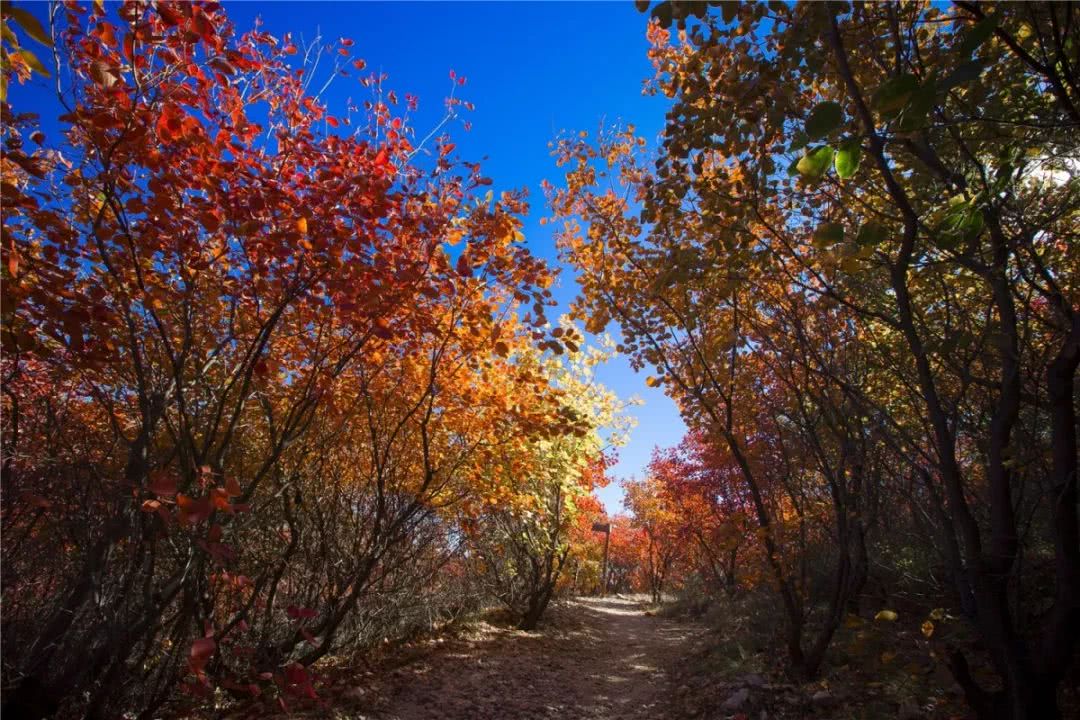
{"x":102,"y":74}
{"x":219,"y":499}
{"x":192,"y":511}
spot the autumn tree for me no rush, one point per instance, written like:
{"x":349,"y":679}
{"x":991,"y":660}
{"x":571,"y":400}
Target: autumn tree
{"x":656,"y":513}
{"x":704,"y":485}
{"x":907,"y":170}
{"x":541,"y":485}
{"x":245,"y":346}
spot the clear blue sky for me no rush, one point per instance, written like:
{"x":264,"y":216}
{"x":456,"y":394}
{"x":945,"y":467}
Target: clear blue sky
{"x":533,"y":69}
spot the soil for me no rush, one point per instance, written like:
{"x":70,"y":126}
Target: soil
{"x":593,"y":659}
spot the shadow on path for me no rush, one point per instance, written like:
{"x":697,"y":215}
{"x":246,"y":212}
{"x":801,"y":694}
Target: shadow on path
{"x":598,"y":659}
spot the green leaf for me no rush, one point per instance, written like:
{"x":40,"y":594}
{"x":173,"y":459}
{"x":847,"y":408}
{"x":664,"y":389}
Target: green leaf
{"x":828,"y":234}
{"x":29,"y":24}
{"x":972,"y":224}
{"x":815,"y":163}
{"x":964,"y":73}
{"x":976,"y":35}
{"x":960,"y":221}
{"x":891,"y":97}
{"x":823,"y":119}
{"x":847,"y":158}
{"x":917,"y":112}
{"x":798,"y":141}
{"x":870,"y":234}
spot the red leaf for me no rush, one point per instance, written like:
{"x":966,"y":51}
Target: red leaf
{"x":300,"y":613}
{"x":222,"y":65}
{"x":464,"y":267}
{"x":170,"y":124}
{"x":232,"y":487}
{"x":201,"y":652}
{"x":36,"y":500}
{"x":162,"y":482}
{"x":203,"y":27}
{"x":169,"y":15}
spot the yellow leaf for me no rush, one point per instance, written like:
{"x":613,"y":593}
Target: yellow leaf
{"x":853,"y":621}
{"x":887,"y":615}
{"x":927,"y":628}
{"x":34,"y":63}
{"x":29,"y":24}
{"x":937,"y":614}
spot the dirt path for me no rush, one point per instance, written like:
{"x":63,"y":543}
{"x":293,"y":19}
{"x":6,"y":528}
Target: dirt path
{"x":596,"y":659}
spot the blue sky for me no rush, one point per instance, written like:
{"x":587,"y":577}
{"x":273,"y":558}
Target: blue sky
{"x":533,"y":69}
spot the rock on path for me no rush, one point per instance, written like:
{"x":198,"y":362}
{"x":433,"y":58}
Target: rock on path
{"x":603,"y":659}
